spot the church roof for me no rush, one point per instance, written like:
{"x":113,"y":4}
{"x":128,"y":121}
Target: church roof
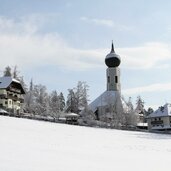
{"x":162,"y":111}
{"x":107,"y":98}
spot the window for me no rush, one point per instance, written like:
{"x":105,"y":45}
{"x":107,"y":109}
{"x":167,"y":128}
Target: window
{"x":6,"y":102}
{"x":108,"y":79}
{"x":116,"y":79}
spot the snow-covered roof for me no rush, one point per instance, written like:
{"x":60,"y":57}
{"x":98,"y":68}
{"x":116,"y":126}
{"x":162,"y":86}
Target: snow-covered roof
{"x":6,"y":81}
{"x":72,"y":114}
{"x":3,"y":111}
{"x":162,"y":111}
{"x":106,"y":98}
{"x":142,"y":124}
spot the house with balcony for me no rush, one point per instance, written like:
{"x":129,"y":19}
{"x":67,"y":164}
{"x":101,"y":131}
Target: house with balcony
{"x":160,"y":120}
{"x":11,"y":94}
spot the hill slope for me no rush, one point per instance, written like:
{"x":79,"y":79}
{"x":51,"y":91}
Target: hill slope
{"x":27,"y":145}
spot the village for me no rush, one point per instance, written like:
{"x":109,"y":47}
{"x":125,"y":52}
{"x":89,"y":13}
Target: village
{"x":109,"y":110}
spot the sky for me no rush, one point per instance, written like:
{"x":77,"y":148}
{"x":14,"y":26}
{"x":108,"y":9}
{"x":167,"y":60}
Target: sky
{"x":60,"y":42}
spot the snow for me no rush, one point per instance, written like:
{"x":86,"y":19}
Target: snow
{"x":28,"y":145}
{"x":3,"y":111}
{"x":72,"y":114}
{"x":107,"y":97}
{"x":165,"y":111}
{"x":6,"y":81}
{"x":142,"y":124}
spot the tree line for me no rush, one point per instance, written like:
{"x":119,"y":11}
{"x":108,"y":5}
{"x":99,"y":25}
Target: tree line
{"x":38,"y":101}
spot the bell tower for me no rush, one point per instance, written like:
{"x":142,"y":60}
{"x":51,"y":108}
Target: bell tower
{"x":113,"y":61}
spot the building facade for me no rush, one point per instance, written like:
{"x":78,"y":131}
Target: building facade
{"x":11,"y":94}
{"x":160,"y":120}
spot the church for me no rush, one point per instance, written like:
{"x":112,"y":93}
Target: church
{"x":110,"y":102}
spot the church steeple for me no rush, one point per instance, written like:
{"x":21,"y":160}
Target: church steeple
{"x":112,"y":59}
{"x":112,"y":48}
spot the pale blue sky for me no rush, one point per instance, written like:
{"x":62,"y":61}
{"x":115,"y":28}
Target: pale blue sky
{"x":61,"y":42}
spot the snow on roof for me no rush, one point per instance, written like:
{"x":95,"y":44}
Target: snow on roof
{"x":142,"y":124}
{"x":6,"y":81}
{"x":106,"y":98}
{"x":162,"y":111}
{"x":72,"y":114}
{"x":3,"y":111}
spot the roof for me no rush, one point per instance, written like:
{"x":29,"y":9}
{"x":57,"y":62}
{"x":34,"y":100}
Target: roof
{"x":3,"y":111}
{"x":162,"y":111}
{"x":6,"y":81}
{"x":72,"y":115}
{"x":106,"y":98}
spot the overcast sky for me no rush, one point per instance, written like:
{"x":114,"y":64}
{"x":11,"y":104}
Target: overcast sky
{"x":61,"y":42}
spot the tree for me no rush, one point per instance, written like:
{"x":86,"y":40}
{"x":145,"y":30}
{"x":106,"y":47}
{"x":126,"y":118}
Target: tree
{"x":15,"y":73}
{"x":7,"y":72}
{"x":77,"y":98}
{"x":140,"y":106}
{"x":29,"y":98}
{"x":40,"y":100}
{"x":149,"y":111}
{"x":71,"y":101}
{"x":54,"y":104}
{"x":130,"y":115}
{"x":61,"y":101}
{"x":140,"y":109}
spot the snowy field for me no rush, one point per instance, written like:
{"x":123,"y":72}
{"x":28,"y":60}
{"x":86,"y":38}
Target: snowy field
{"x":27,"y":145}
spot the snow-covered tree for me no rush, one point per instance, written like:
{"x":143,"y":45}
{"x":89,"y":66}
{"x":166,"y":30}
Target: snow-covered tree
{"x":29,"y":99}
{"x":77,"y":98}
{"x":54,"y":104}
{"x":61,"y":101}
{"x":140,"y":105}
{"x":140,"y":110}
{"x":40,"y":99}
{"x":130,"y":114}
{"x":71,"y":101}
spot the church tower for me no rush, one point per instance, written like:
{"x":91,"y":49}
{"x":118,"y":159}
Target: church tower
{"x":113,"y":61}
{"x":110,"y":101}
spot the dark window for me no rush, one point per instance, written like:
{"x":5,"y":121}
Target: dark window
{"x":116,"y":79}
{"x":6,"y":102}
{"x":108,"y":79}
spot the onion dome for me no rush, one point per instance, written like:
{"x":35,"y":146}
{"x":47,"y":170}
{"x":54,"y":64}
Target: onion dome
{"x":112,"y":59}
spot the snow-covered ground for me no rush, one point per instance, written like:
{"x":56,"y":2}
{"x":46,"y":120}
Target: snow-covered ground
{"x":27,"y":145}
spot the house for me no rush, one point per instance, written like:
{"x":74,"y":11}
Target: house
{"x":11,"y":94}
{"x":160,"y":120}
